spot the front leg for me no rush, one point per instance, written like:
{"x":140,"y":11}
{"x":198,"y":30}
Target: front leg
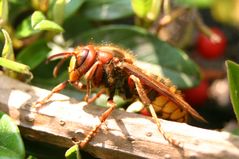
{"x":94,"y":74}
{"x":56,"y":89}
{"x":79,"y":86}
{"x":146,"y":101}
{"x":102,"y":118}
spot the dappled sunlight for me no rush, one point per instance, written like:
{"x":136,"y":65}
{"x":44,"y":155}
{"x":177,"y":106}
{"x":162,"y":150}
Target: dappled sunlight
{"x":18,"y":98}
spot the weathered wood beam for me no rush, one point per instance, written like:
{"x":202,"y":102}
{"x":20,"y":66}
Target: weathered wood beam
{"x":125,"y":135}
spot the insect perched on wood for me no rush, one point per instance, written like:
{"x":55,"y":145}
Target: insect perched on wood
{"x":112,"y":69}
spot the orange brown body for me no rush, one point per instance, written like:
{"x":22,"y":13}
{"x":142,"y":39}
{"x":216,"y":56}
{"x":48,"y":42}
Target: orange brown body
{"x":112,"y":69}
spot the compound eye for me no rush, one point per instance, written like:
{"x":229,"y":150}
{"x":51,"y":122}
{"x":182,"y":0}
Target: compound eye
{"x":81,"y":56}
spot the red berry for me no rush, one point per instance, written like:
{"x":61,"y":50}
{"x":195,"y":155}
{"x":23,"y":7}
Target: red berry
{"x":198,"y":95}
{"x":145,"y":112}
{"x":209,"y":49}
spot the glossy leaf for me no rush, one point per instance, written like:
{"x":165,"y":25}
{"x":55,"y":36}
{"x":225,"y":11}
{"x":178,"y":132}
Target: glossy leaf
{"x":233,"y":79}
{"x":7,"y":61}
{"x":31,"y":157}
{"x":73,"y":153}
{"x":74,"y":26}
{"x":11,"y":145}
{"x":119,"y":101}
{"x":3,"y":11}
{"x":15,"y":66}
{"x":39,"y":22}
{"x":107,"y":9}
{"x":36,"y":18}
{"x":58,"y":11}
{"x":7,"y":51}
{"x":141,"y":7}
{"x":16,"y":8}
{"x":195,"y":3}
{"x":24,"y":29}
{"x":147,"y":9}
{"x":72,"y":6}
{"x":48,"y":25}
{"x":34,"y":54}
{"x":168,"y":61}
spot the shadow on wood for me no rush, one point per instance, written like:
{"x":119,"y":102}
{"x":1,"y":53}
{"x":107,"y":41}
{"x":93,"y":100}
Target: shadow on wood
{"x":124,"y":135}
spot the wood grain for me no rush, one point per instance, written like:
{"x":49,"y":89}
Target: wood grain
{"x":124,"y":135}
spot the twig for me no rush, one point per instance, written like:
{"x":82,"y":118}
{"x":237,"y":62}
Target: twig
{"x":127,"y":135}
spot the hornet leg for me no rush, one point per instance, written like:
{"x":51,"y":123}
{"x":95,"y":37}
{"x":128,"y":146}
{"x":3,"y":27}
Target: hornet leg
{"x":144,"y":98}
{"x":102,"y":118}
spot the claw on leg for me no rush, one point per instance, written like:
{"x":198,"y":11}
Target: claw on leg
{"x":144,"y":98}
{"x":56,"y":89}
{"x":102,"y":118}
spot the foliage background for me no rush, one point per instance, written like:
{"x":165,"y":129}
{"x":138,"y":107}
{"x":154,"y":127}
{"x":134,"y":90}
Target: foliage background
{"x":33,"y":30}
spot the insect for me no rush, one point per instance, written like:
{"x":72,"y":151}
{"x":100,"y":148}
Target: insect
{"x":112,"y":69}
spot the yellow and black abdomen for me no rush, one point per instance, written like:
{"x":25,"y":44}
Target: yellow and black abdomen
{"x":168,"y":110}
{"x":164,"y":107}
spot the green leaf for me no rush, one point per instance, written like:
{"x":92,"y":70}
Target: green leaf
{"x":48,"y":25}
{"x":72,"y":6}
{"x":235,"y":131}
{"x":11,"y":145}
{"x":195,"y":3}
{"x":141,"y":7}
{"x":74,"y":26}
{"x":15,"y":66}
{"x":119,"y":101}
{"x":58,"y":11}
{"x":34,"y":54}
{"x":107,"y":9}
{"x":36,"y":18}
{"x":233,"y":79}
{"x":73,"y":153}
{"x":17,"y":2}
{"x":31,"y":157}
{"x":7,"y":51}
{"x":24,"y":29}
{"x":3,"y":12}
{"x":40,"y":23}
{"x":148,"y":9}
{"x":169,"y":61}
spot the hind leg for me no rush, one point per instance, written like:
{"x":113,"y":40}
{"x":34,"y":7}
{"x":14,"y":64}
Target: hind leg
{"x":146,"y":101}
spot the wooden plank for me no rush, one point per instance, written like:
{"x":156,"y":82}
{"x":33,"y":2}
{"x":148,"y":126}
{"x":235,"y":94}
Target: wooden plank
{"x":125,"y":135}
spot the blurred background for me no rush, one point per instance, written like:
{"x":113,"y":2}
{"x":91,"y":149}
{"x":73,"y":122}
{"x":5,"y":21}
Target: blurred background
{"x":190,"y":42}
